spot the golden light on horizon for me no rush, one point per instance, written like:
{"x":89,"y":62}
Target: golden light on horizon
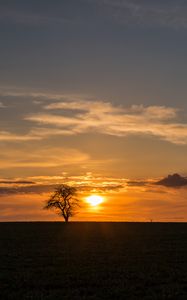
{"x":94,"y":200}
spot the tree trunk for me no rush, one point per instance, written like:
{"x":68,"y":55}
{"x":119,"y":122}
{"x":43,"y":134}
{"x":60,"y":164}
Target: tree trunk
{"x":66,"y":219}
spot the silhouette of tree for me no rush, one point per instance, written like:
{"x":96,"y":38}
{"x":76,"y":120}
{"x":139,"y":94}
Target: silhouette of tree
{"x":64,"y":201}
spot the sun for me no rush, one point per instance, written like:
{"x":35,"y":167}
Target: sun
{"x":94,"y":200}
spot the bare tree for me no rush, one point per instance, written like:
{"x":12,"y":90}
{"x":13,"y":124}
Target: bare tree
{"x":64,"y":201}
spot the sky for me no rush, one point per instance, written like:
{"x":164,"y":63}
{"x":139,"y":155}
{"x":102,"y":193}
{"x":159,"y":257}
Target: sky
{"x":93,"y":94}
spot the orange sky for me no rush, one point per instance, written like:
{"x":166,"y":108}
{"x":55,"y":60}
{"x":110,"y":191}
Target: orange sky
{"x":93,"y":94}
{"x":124,"y":200}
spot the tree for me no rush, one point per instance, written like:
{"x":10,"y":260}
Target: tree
{"x":64,"y":201}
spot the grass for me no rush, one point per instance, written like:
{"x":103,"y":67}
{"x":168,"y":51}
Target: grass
{"x":93,"y":261}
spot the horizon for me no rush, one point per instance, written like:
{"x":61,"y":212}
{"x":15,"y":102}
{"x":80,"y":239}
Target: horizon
{"x":98,"y":222}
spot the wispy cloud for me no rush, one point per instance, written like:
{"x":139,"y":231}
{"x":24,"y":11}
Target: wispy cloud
{"x":45,"y":184}
{"x":15,"y":181}
{"x":68,"y":114}
{"x":89,"y":183}
{"x":30,"y":189}
{"x":86,"y":183}
{"x":38,"y":97}
{"x":160,"y":13}
{"x":105,"y":118}
{"x":156,"y":13}
{"x":10,"y":137}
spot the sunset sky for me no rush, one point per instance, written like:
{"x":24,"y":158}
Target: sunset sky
{"x":93,"y":94}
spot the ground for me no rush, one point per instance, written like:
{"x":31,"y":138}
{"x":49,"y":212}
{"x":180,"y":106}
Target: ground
{"x":93,"y":261}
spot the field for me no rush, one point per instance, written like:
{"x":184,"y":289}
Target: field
{"x":93,"y":261}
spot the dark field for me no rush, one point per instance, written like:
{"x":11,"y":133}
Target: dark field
{"x":93,"y":261}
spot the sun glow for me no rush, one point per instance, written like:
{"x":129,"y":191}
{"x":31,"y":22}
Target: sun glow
{"x":94,"y":200}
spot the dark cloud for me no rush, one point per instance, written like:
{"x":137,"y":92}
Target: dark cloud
{"x":41,"y":188}
{"x":16,"y":182}
{"x":174,"y":180}
{"x":32,"y":189}
{"x":102,"y":189}
{"x":137,"y":183}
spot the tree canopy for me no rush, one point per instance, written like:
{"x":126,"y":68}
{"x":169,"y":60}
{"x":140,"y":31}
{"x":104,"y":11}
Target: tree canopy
{"x":64,"y":201}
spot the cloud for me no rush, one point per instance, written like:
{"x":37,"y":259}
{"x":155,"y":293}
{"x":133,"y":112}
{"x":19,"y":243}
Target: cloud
{"x":137,"y":183}
{"x":68,"y":114}
{"x":93,"y":183}
{"x":174,"y":180}
{"x":10,"y":182}
{"x":47,"y":188}
{"x":11,"y":91}
{"x":156,"y":13}
{"x":87,"y":183}
{"x":30,"y":189}
{"x":171,"y":14}
{"x":76,"y":117}
{"x":8,"y":136}
{"x":122,"y":202}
